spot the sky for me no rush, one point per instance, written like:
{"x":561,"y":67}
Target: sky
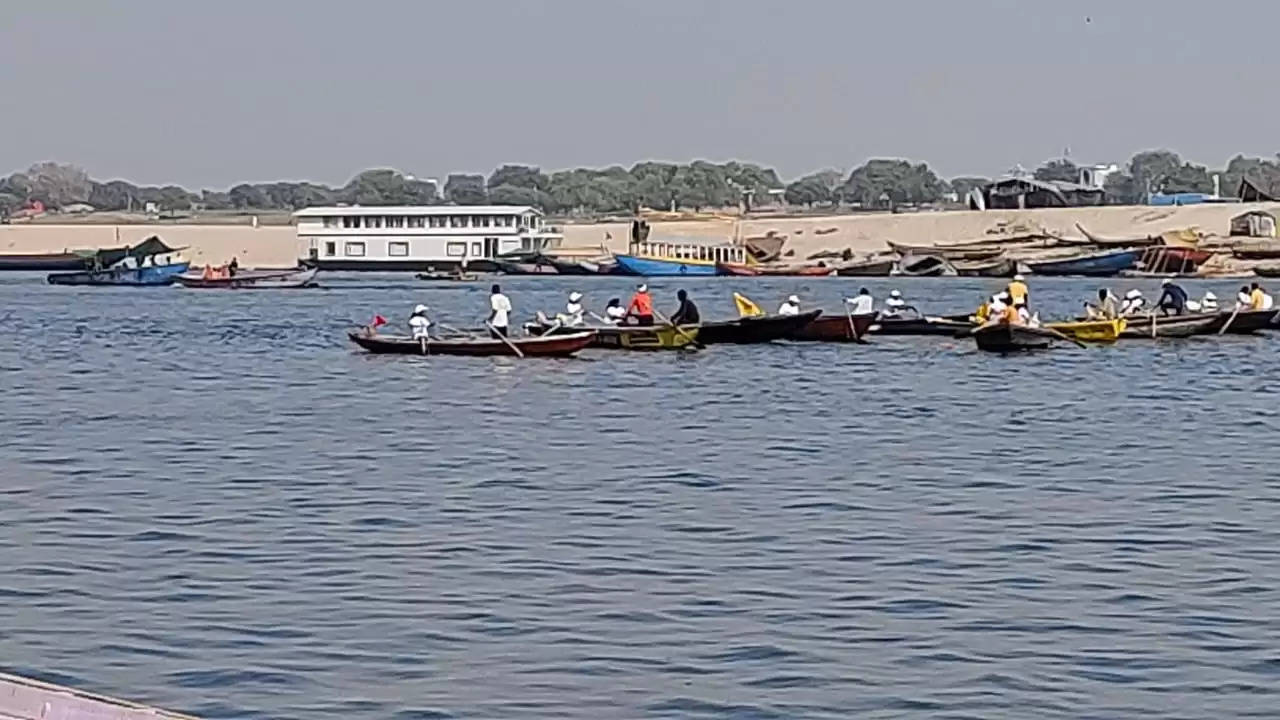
{"x":209,"y":94}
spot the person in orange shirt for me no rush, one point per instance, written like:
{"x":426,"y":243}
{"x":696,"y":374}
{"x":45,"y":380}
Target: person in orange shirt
{"x":1012,"y":315}
{"x":641,"y":307}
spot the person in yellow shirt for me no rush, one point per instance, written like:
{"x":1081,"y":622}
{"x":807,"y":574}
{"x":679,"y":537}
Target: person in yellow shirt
{"x":1019,"y":294}
{"x":1257,"y":298}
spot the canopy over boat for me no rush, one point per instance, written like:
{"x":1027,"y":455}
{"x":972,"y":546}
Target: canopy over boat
{"x":107,"y":257}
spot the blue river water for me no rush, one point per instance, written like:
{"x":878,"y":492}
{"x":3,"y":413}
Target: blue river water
{"x":210,"y":501}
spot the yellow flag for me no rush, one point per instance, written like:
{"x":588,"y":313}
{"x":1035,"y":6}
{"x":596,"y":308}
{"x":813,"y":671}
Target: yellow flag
{"x":746,"y":308}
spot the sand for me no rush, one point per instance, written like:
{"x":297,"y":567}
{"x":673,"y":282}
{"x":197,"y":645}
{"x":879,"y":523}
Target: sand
{"x":277,"y":246}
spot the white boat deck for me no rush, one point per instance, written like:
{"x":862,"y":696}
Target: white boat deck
{"x":25,"y":699}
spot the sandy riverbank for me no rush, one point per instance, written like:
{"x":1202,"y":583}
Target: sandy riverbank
{"x":277,"y":246}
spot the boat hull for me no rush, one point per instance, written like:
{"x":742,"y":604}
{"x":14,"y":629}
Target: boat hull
{"x":550,"y":346}
{"x":1003,"y":267}
{"x":660,"y":267}
{"x":629,"y":337}
{"x":925,"y":266}
{"x":797,"y":271}
{"x":1172,"y":326}
{"x":921,"y":326}
{"x":1097,"y":331}
{"x":835,"y":328}
{"x":752,"y":330}
{"x":733,"y":270}
{"x":122,"y":277}
{"x":49,"y":262}
{"x":1097,"y":265}
{"x":253,"y":280}
{"x":1004,"y":338}
{"x":874,"y":268}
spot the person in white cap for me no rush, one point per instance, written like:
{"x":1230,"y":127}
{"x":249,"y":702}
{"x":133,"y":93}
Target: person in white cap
{"x":572,"y":315}
{"x":1209,"y":303}
{"x":1133,"y":303}
{"x":895,"y":305}
{"x":420,"y":324}
{"x":791,"y":306}
{"x":1019,"y":293}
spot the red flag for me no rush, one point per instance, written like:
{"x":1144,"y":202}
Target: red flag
{"x":379,"y":321}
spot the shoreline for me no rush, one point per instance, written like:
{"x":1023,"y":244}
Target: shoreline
{"x":277,"y":246}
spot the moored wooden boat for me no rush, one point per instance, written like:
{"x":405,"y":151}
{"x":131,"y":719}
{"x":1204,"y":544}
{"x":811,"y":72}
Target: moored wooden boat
{"x":150,"y":276}
{"x":627,"y":337}
{"x":1091,"y":330}
{"x":547,"y":346}
{"x":759,"y":329}
{"x":45,"y":262}
{"x":733,"y":269}
{"x":253,"y":280}
{"x":766,"y":248}
{"x":821,"y":269}
{"x":1104,"y":242}
{"x":998,"y":266}
{"x":534,"y":266}
{"x":439,"y":276}
{"x":835,"y":327}
{"x":1166,"y":259}
{"x":1097,"y":264}
{"x":1008,"y":338}
{"x":925,"y":266}
{"x":1267,"y":270}
{"x":872,"y":267}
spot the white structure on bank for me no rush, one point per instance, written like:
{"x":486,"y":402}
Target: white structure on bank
{"x":418,"y":237}
{"x":1095,"y":176}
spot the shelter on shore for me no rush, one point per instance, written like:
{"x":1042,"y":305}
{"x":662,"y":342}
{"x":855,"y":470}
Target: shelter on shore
{"x":1021,"y":193}
{"x":1254,"y":223}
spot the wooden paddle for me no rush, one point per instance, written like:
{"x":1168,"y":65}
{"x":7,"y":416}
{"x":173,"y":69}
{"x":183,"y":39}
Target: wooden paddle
{"x":494,"y":331}
{"x":1230,"y":320}
{"x":1062,"y":336}
{"x":692,"y":340}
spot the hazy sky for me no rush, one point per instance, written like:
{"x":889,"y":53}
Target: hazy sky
{"x":205,"y":94}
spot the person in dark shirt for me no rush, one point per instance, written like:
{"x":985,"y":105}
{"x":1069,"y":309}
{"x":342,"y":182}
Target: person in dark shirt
{"x":687,"y":313}
{"x":1172,"y":298}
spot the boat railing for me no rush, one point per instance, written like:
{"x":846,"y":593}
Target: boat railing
{"x":728,"y":254}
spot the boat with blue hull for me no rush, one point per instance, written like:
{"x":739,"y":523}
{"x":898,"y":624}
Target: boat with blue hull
{"x":123,"y":276}
{"x":1102,"y":264}
{"x":655,"y":267}
{"x":671,"y":259}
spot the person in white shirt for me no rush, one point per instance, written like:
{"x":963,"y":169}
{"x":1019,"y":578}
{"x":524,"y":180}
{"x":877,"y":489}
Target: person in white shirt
{"x":614,"y":312}
{"x":1207,"y":304}
{"x":1267,"y":301}
{"x":500,"y":312}
{"x":1244,"y":300}
{"x":420,"y":324}
{"x":572,"y":315}
{"x":1133,"y":303}
{"x":790,"y":307}
{"x":862,"y":303}
{"x":895,"y":305}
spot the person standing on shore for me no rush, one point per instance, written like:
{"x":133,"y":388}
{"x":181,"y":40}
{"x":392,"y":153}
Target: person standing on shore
{"x":499,"y":312}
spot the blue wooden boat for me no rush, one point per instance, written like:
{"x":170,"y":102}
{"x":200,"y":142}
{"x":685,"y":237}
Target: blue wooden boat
{"x":655,"y":259}
{"x":1101,"y":264}
{"x":152,"y":275}
{"x":655,"y":267}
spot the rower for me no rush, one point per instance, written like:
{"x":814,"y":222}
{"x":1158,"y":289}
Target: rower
{"x":572,"y":315}
{"x":1010,"y":315}
{"x":1107,"y":307}
{"x":614,"y":312}
{"x":895,"y":305}
{"x":1244,"y":299}
{"x":499,"y":312}
{"x":863,"y":304}
{"x":1209,"y":303}
{"x":420,"y":324}
{"x":1172,"y":297}
{"x":791,"y":306}
{"x":687,"y":312}
{"x":233,"y":267}
{"x":641,"y":307}
{"x":1133,"y":303}
{"x":1019,"y":293}
{"x":1259,"y":299}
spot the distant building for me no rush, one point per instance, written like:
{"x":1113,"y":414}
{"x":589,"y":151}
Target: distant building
{"x":1095,"y":176}
{"x":1017,"y":193}
{"x":1254,"y":223}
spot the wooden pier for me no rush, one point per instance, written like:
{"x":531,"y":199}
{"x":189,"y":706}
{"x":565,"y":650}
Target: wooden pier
{"x":26,"y":699}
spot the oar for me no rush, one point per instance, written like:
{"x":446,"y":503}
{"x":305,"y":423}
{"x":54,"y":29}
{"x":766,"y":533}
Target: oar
{"x":504,"y":339}
{"x":597,"y":317}
{"x":692,"y":340}
{"x":1152,"y":316}
{"x":1062,"y":336}
{"x":1230,"y":320}
{"x":853,"y":333}
{"x":423,"y":342}
{"x":453,"y":330}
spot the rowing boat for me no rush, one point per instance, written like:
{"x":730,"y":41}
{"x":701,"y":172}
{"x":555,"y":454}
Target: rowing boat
{"x":835,"y":328}
{"x":755,"y":329}
{"x":999,"y":266}
{"x":1098,"y":264}
{"x":925,"y":266}
{"x":253,"y":280}
{"x":626,"y":337}
{"x":1091,"y":330}
{"x":733,"y":269}
{"x":948,"y":326}
{"x":1007,"y":338}
{"x":1171,"y":326}
{"x":549,"y":346}
{"x":874,"y":267}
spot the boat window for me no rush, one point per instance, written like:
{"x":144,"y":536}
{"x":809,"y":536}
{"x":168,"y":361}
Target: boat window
{"x":475,"y":221}
{"x":350,"y":222}
{"x":457,"y":221}
{"x":455,"y":249}
{"x":330,"y":248}
{"x":436,"y":221}
{"x":395,"y":221}
{"x":485,"y":220}
{"x":354,"y":249}
{"x":417,"y":221}
{"x":330,"y":222}
{"x":476,"y":250}
{"x":398,"y":249}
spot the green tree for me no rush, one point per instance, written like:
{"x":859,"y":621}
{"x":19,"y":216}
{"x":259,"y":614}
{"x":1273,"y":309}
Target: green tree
{"x":174,"y":198}
{"x":1263,"y":173}
{"x":819,"y":187}
{"x":702,"y":184}
{"x":1061,"y":170}
{"x":516,"y":195}
{"x":462,"y":189}
{"x":243,"y":197}
{"x":961,"y":186}
{"x":114,"y":195}
{"x":653,"y":184}
{"x":518,"y":176}
{"x":58,"y":185}
{"x":883,"y":182}
{"x":9,"y":203}
{"x":1122,"y":189}
{"x":215,"y":200}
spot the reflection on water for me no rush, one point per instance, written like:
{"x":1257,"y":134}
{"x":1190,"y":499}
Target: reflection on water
{"x":211,"y":502}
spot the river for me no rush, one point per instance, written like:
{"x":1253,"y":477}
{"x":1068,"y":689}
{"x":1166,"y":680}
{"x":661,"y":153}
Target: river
{"x":210,"y":501}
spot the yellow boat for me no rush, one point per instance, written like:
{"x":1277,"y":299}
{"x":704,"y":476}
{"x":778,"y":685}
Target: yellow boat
{"x":1098,"y":331}
{"x":628,"y":337}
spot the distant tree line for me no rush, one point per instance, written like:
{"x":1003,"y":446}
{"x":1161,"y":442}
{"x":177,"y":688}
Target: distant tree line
{"x":879,"y":183}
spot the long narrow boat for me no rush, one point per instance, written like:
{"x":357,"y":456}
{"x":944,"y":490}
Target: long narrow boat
{"x":45,"y":262}
{"x":548,"y":346}
{"x":998,"y":266}
{"x":836,"y":327}
{"x":1103,"y":242}
{"x":1098,"y":331}
{"x":735,"y":270}
{"x":660,"y":267}
{"x":122,"y":276}
{"x":1166,"y":259}
{"x":1099,"y":264}
{"x":1172,"y":326}
{"x":874,"y":267}
{"x":521,"y":266}
{"x":1245,"y":322}
{"x":626,"y":337}
{"x":750,"y":330}
{"x":925,"y":266}
{"x":27,"y":699}
{"x":1007,"y":338}
{"x":253,"y":280}
{"x":819,"y":270}
{"x":927,"y":325}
